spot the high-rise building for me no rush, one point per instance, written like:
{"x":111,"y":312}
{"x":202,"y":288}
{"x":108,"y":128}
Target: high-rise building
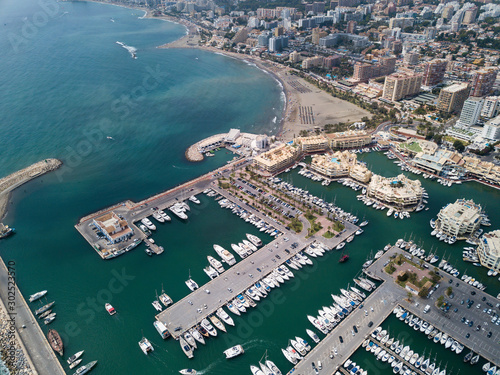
{"x":276,"y":44}
{"x":280,"y":30}
{"x":363,"y":71}
{"x":351,"y":26}
{"x":263,"y":39}
{"x":294,"y":57}
{"x":411,"y":58}
{"x":400,"y":22}
{"x":452,"y":98}
{"x":470,"y":16}
{"x":331,"y":61}
{"x":399,"y":85}
{"x":491,"y":129}
{"x":470,"y":112}
{"x":483,"y":81}
{"x":448,"y":12}
{"x":434,"y":72}
{"x":491,"y":107}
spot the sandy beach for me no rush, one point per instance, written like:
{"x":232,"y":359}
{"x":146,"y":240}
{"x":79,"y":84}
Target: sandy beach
{"x":306,"y":107}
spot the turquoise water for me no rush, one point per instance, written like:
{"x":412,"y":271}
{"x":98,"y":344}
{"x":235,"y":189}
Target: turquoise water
{"x":67,"y":87}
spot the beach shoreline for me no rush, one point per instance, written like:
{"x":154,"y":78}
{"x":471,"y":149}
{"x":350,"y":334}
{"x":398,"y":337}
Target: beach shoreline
{"x":300,"y":96}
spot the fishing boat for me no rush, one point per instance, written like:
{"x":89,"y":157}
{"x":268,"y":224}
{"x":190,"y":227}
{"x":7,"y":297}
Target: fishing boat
{"x":55,"y":341}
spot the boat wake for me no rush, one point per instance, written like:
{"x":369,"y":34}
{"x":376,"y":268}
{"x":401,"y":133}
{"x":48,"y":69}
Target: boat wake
{"x":130,"y":49}
{"x":207,"y":370}
{"x":257,"y":343}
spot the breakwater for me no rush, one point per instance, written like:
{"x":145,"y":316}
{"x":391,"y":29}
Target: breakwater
{"x":16,"y":179}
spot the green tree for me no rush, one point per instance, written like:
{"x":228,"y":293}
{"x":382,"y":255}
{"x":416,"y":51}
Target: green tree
{"x":458,"y":145}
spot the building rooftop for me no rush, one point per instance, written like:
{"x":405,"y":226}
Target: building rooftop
{"x":492,"y":241}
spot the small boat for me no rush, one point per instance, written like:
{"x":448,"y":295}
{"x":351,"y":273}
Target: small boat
{"x":145,"y":346}
{"x":344,"y":258}
{"x":208,"y":327}
{"x":234,"y":351}
{"x":74,"y":357}
{"x":273,"y":367}
{"x":37,"y":295}
{"x":49,"y":319}
{"x":188,"y":371}
{"x":85,"y":368}
{"x":313,"y":335}
{"x":256,"y":371}
{"x":110,"y":309}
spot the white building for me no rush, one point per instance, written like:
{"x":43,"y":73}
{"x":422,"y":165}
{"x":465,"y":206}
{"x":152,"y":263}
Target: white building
{"x":459,"y":219}
{"x":399,"y":192}
{"x":113,"y":227}
{"x":491,"y":107}
{"x":489,"y":250}
{"x":491,"y":129}
{"x":470,"y":112}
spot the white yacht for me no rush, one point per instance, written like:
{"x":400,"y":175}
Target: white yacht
{"x":256,"y":371}
{"x":215,"y":264}
{"x":158,"y":217}
{"x":188,"y":351}
{"x":273,"y":367}
{"x":225,"y":255}
{"x":254,"y":239}
{"x":234,"y":351}
{"x":148,"y":224}
{"x":164,"y":215}
{"x":178,"y":210}
{"x":193,"y":199}
{"x":208,"y":327}
{"x":224,"y":316}
{"x":211,"y":272}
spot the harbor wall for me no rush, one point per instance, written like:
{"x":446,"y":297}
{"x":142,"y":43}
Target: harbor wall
{"x":16,"y":179}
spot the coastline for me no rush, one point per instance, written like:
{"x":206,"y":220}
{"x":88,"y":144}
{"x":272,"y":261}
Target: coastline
{"x":300,"y":96}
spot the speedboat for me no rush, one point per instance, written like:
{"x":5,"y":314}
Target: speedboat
{"x":270,"y":365}
{"x":188,"y":371}
{"x":234,"y":351}
{"x":255,"y":370}
{"x":313,"y":335}
{"x":224,"y":316}
{"x":110,"y":309}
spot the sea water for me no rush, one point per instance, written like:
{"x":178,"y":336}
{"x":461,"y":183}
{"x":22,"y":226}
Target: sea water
{"x":67,"y":87}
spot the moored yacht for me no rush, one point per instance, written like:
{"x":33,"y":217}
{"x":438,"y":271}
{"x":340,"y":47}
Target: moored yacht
{"x":148,"y":224}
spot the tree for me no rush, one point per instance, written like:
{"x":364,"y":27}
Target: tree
{"x":458,"y":145}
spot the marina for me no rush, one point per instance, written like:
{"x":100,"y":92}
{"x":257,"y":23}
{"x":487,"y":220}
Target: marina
{"x":381,"y":305}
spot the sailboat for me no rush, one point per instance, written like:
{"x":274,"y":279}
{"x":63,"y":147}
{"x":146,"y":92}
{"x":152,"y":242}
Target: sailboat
{"x":156,"y":304}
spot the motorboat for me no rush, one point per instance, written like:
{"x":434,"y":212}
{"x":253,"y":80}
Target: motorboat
{"x":148,"y":224}
{"x":234,"y":351}
{"x":188,"y":351}
{"x":110,"y":309}
{"x":37,"y":295}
